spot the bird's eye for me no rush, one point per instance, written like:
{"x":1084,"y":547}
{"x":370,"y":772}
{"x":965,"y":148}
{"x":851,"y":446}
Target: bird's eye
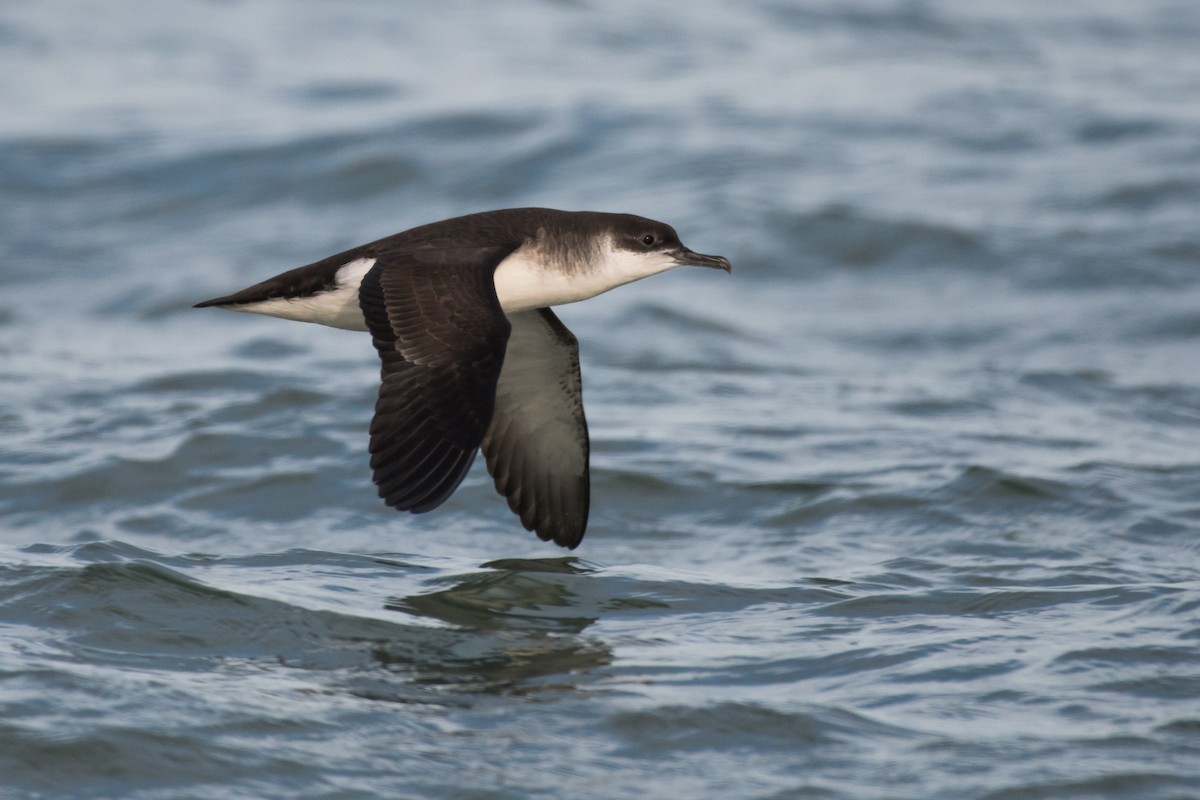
{"x":649,"y":240}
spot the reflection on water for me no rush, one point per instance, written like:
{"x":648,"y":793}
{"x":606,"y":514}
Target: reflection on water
{"x":516,"y":622}
{"x":516,"y":594}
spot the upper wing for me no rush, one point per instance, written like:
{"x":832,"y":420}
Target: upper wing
{"x":441,"y":334}
{"x":537,"y":445}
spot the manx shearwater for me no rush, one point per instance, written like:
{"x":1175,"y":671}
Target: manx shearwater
{"x":473,"y":357}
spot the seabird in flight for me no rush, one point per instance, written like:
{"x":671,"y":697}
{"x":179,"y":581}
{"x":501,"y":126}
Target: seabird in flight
{"x":473,"y":357}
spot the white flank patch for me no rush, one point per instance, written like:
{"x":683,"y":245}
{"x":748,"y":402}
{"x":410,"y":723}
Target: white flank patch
{"x":525,"y":280}
{"x":336,"y":307}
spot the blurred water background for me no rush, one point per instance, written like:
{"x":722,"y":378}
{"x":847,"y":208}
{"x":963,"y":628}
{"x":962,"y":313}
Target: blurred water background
{"x":908,"y":506}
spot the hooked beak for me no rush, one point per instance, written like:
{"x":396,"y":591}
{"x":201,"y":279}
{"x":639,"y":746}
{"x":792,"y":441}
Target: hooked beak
{"x":685,"y":256}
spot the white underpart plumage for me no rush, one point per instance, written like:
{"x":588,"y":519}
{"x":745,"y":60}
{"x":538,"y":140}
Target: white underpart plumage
{"x":526,"y":280}
{"x":337,"y":307}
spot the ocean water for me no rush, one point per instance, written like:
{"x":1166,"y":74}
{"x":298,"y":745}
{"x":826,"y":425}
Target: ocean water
{"x":908,"y":506}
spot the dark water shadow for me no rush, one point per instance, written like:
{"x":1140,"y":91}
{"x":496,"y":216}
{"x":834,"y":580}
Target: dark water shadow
{"x":518,"y":624}
{"x":512,"y":594}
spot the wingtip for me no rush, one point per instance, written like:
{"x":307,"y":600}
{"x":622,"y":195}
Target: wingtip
{"x":569,"y":544}
{"x":568,"y":534}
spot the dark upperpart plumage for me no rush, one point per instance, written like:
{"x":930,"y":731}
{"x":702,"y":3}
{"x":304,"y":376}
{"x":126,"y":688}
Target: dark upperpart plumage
{"x":504,"y":230}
